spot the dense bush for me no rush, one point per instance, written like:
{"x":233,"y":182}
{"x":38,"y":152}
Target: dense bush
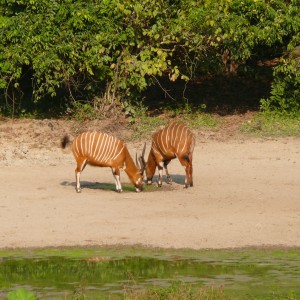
{"x":80,"y":49}
{"x":108,"y":47}
{"x":285,"y":89}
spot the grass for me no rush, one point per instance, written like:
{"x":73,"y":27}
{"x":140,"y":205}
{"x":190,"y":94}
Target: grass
{"x":272,"y":125}
{"x":177,"y":291}
{"x":127,"y":187}
{"x":270,"y":272}
{"x":143,"y":126}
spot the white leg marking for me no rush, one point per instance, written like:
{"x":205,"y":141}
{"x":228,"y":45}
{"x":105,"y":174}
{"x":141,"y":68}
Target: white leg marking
{"x":119,"y":184}
{"x":78,"y":181}
{"x":160,"y":173}
{"x":78,"y":177}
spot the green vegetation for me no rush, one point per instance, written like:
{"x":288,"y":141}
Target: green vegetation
{"x":144,"y":273}
{"x":93,"y":58}
{"x":272,"y":124}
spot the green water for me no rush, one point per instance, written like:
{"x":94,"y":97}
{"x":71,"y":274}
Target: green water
{"x":61,"y":273}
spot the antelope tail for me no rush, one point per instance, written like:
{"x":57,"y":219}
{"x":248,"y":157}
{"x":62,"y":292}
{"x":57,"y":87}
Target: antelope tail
{"x":65,"y":141}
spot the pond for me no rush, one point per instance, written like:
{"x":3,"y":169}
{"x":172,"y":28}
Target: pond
{"x":107,"y":272}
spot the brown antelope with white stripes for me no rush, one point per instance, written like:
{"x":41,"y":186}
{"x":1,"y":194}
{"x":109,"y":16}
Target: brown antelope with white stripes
{"x":103,"y":150}
{"x":175,"y":140}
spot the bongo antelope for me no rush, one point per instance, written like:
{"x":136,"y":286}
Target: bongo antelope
{"x":103,"y":150}
{"x":175,"y":140}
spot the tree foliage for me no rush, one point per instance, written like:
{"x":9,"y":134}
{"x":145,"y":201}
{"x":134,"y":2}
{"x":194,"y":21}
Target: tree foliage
{"x":115,"y":48}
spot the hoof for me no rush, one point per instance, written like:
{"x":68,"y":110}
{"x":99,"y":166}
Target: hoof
{"x":169,"y":180}
{"x":78,"y":190}
{"x":185,"y":186}
{"x":119,"y":191}
{"x":159,"y":184}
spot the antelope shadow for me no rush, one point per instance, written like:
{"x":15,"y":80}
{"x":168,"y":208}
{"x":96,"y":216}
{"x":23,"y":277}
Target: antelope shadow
{"x":176,"y":178}
{"x":99,"y":185}
{"x":127,"y":187}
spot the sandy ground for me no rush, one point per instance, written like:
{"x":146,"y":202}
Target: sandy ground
{"x":246,"y":193}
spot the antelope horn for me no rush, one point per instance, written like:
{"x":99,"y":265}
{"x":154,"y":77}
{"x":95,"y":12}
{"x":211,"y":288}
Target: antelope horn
{"x":143,"y":152}
{"x":137,"y":162}
{"x":142,"y":157}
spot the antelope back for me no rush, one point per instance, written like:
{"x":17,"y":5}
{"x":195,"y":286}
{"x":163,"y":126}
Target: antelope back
{"x":173,"y":140}
{"x":98,"y":147}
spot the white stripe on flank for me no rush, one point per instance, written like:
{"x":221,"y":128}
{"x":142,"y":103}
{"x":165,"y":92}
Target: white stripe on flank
{"x":77,"y":146}
{"x":176,"y":137}
{"x":92,"y":144}
{"x":154,"y":147}
{"x":110,"y":148}
{"x":180,"y":139}
{"x":113,"y":149}
{"x":172,"y":139}
{"x":88,"y":142}
{"x":85,"y":143}
{"x":116,"y":146}
{"x":81,"y":144}
{"x":119,"y":152}
{"x":99,"y":134}
{"x":185,"y":139}
{"x":96,"y":147}
{"x":74,"y":146}
{"x":104,"y":147}
{"x":192,"y":145}
{"x":100,"y":152}
{"x":167,"y":137}
{"x":161,"y":141}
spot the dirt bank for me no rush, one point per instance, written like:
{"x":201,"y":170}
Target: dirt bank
{"x":246,"y":193}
